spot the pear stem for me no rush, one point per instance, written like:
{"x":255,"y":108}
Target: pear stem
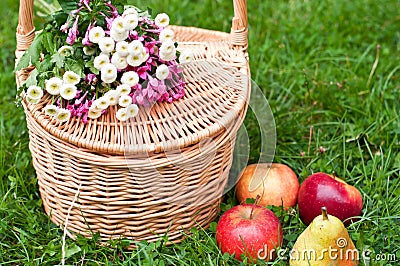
{"x":324,"y":213}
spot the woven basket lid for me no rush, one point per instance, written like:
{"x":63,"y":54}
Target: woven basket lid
{"x":216,"y":94}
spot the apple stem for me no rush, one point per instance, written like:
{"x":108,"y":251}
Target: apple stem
{"x":324,"y":213}
{"x":251,"y":213}
{"x":254,"y":204}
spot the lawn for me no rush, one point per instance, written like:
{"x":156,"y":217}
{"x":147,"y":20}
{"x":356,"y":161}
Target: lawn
{"x":331,"y":73}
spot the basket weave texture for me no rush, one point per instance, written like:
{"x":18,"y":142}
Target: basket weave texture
{"x":159,"y":173}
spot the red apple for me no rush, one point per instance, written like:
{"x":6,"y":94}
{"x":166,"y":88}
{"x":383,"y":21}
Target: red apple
{"x":249,"y":229}
{"x":275,"y":184}
{"x":320,"y":189}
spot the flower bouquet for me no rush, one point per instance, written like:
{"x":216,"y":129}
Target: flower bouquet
{"x":93,"y":54}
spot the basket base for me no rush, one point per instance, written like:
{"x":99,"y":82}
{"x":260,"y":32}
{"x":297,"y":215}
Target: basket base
{"x":87,"y":193}
{"x":174,"y":235}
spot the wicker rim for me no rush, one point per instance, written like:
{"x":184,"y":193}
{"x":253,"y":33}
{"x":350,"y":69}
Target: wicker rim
{"x":207,"y":109}
{"x":26,"y":29}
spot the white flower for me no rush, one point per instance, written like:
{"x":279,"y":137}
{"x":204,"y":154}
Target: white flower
{"x":123,"y":89}
{"x":167,"y":51}
{"x":145,"y":55}
{"x":108,"y":73}
{"x":186,"y":56}
{"x":129,"y":11}
{"x":162,"y":72}
{"x":100,"y":61}
{"x":96,"y":34}
{"x":68,"y":91}
{"x":167,"y":57}
{"x":100,"y":104}
{"x":119,"y":25}
{"x":66,"y":50}
{"x":32,"y":101}
{"x":134,"y":60}
{"x":131,"y":21}
{"x":167,"y":47}
{"x":63,"y":115}
{"x":167,"y":35}
{"x":135,"y":47}
{"x":122,"y":114}
{"x":95,"y":108}
{"x":133,"y":110}
{"x":53,"y":85}
{"x":87,"y":50}
{"x":93,"y":113}
{"x":125,"y":100}
{"x":34,"y":92}
{"x":162,"y":20}
{"x":119,"y":36}
{"x":130,"y":78}
{"x":119,"y":61}
{"x":70,"y":77}
{"x":51,"y":110}
{"x":113,"y":96}
{"x":122,"y":48}
{"x":107,"y":45}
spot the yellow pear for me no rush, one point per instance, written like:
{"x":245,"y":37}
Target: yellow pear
{"x":325,"y":242}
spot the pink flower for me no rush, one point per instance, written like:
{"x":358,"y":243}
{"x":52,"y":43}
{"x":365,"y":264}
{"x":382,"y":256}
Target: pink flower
{"x":140,"y":99}
{"x":109,"y":22}
{"x":150,"y":46}
{"x":71,"y":109}
{"x":134,"y":35}
{"x":86,"y":3}
{"x":73,"y":32}
{"x":85,"y":40}
{"x":144,"y":92}
{"x":91,"y":78}
{"x":114,"y":10}
{"x":79,"y":101}
{"x":85,"y":118}
{"x":142,"y":71}
{"x":64,"y":28}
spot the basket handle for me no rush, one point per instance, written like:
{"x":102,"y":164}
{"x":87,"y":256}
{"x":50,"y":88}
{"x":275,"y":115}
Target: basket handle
{"x":26,"y":29}
{"x":239,"y":30}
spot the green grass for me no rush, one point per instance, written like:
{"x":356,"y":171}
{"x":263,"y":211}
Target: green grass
{"x":314,"y":61}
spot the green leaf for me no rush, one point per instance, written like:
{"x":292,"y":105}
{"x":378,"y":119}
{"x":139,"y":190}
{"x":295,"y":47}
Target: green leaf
{"x":32,"y":79}
{"x":35,"y":48}
{"x":291,"y":237}
{"x":250,"y":201}
{"x":75,"y":66}
{"x":90,"y":65}
{"x":46,"y":64}
{"x":60,"y":18}
{"x":23,"y":62}
{"x":58,"y":59}
{"x":68,"y":5}
{"x":48,"y":42}
{"x":72,"y":250}
{"x":32,"y":55}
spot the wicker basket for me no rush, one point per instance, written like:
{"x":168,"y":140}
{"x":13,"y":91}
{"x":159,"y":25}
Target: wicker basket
{"x":159,"y":173}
